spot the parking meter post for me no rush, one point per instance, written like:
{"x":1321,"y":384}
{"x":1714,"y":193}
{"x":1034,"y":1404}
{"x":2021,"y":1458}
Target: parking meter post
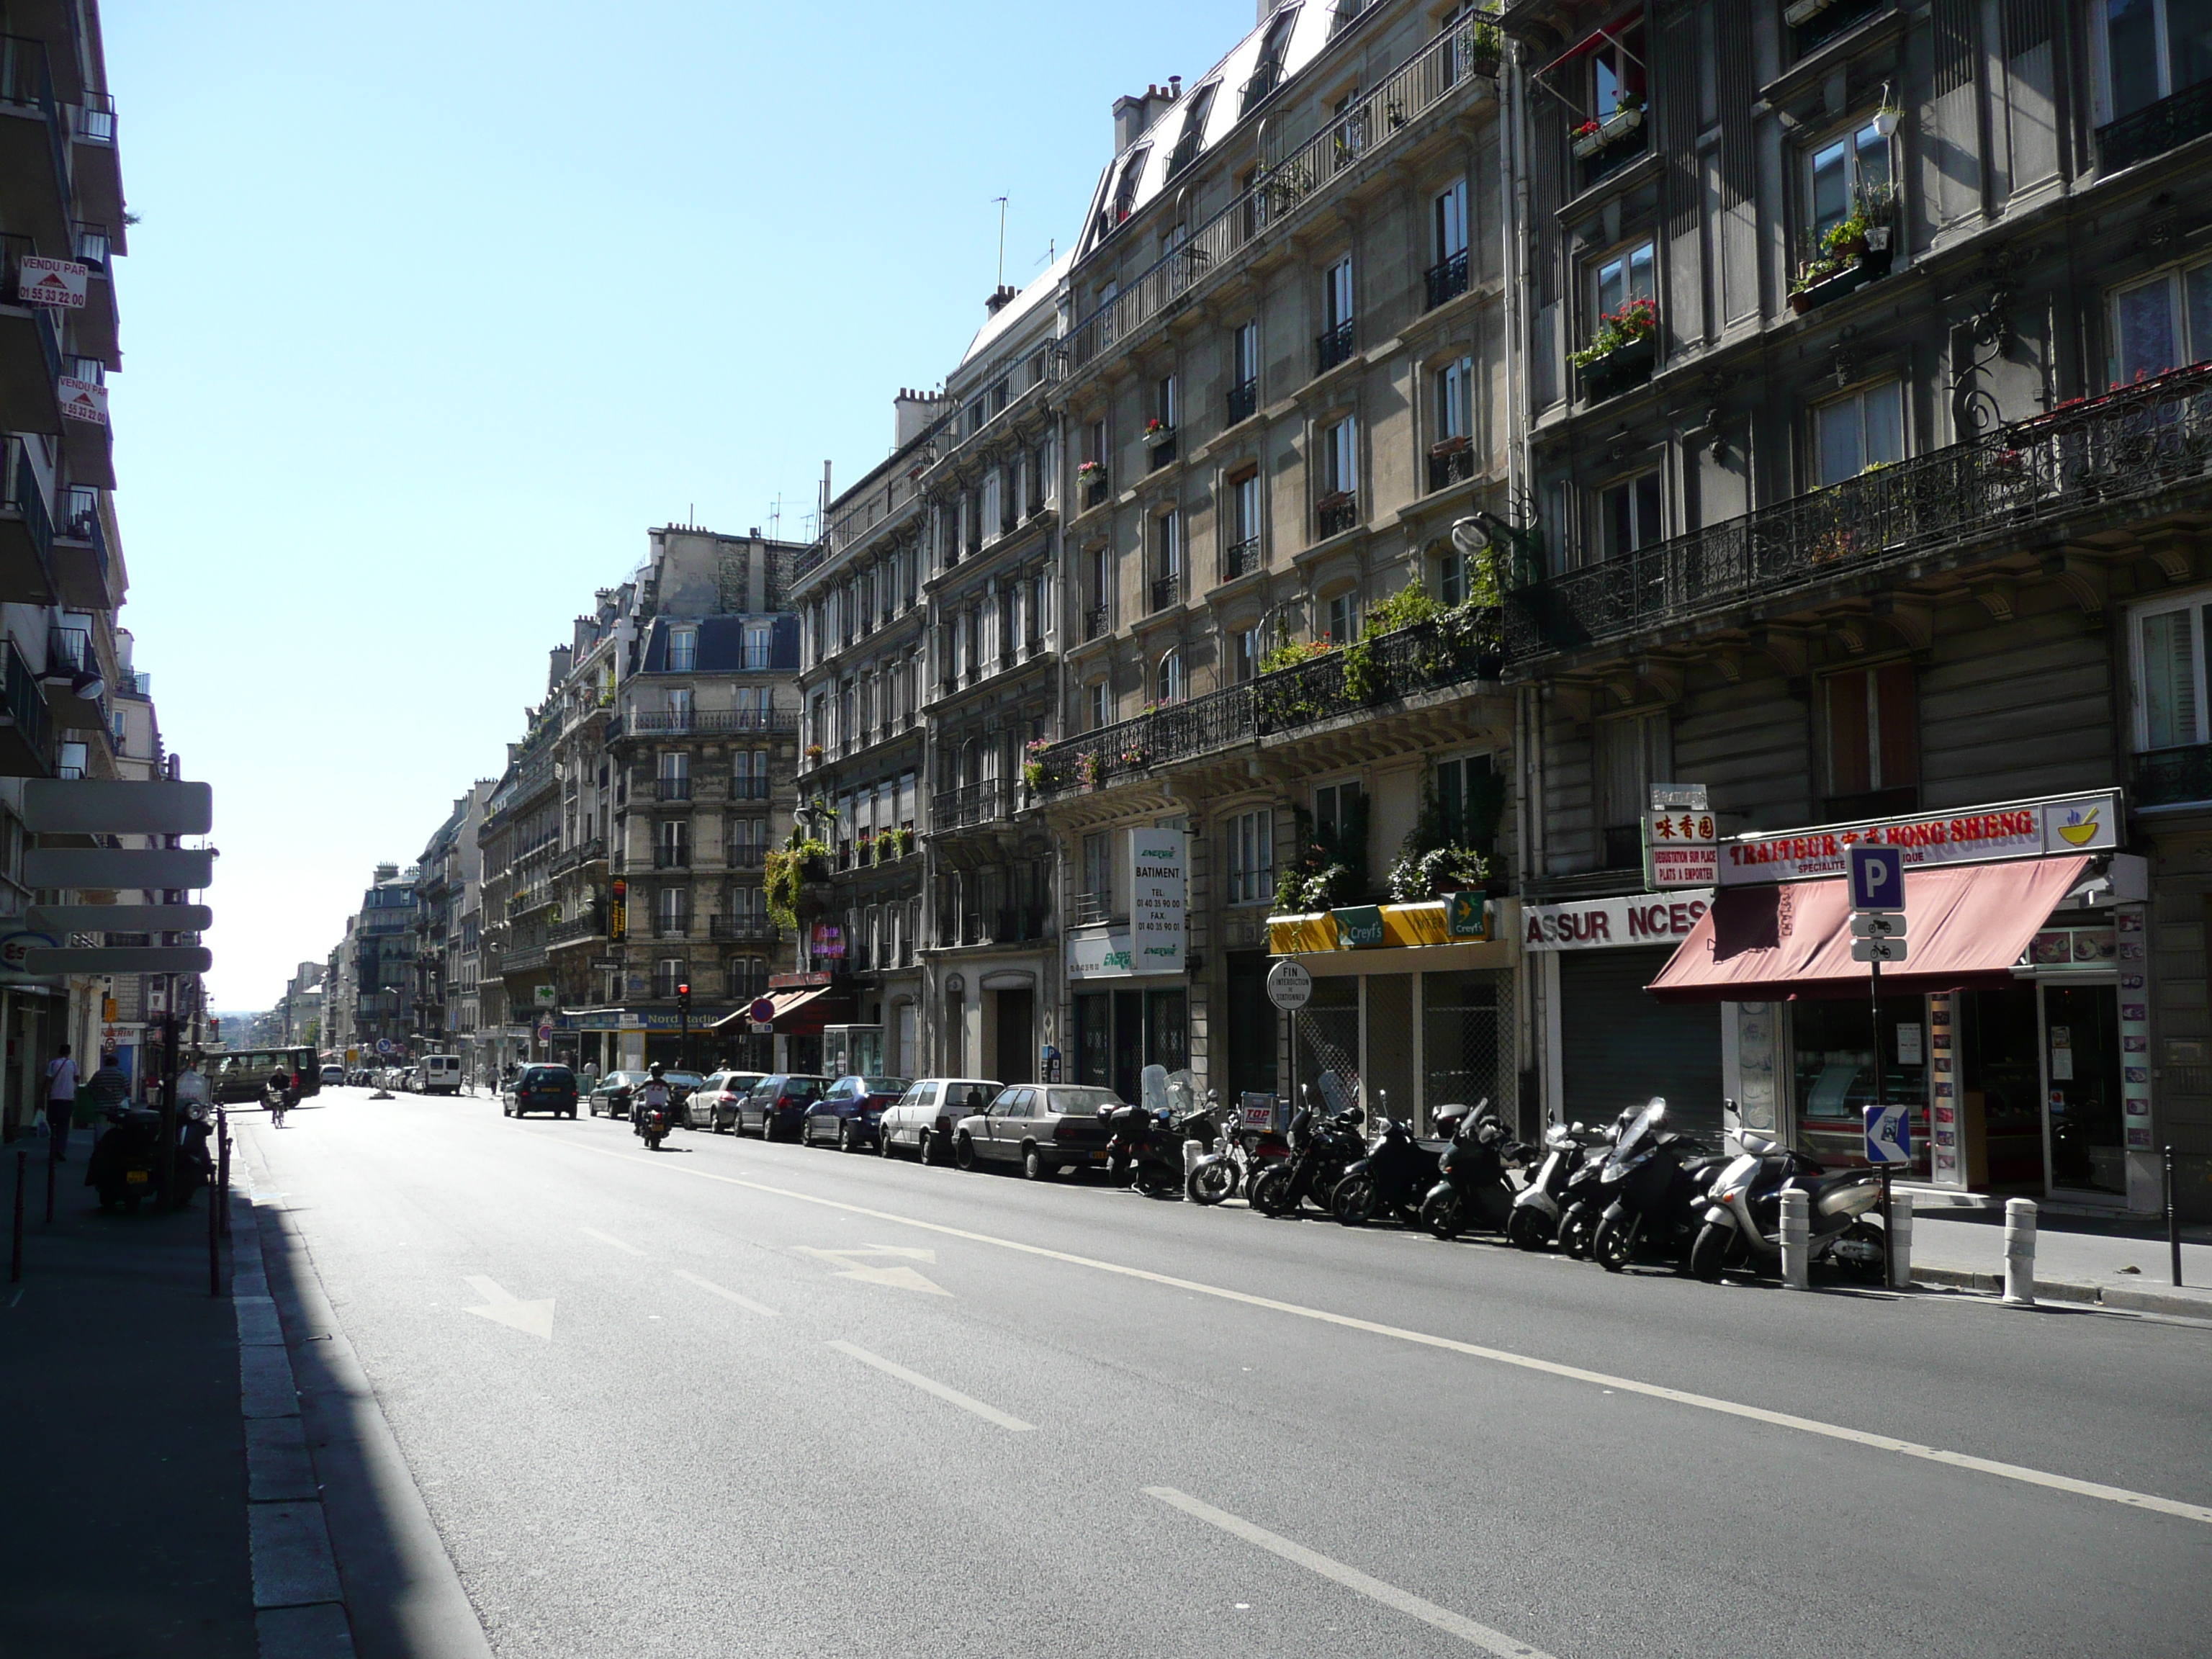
{"x":1796,"y":1238}
{"x":2173,"y":1221}
{"x":2020,"y":1253}
{"x":223,"y":1166}
{"x":1899,"y":1243}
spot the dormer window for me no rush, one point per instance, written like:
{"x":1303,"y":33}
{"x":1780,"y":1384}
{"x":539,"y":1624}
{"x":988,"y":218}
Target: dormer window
{"x":683,"y":650}
{"x":1187,"y":143}
{"x":1124,"y":200}
{"x":1267,"y":69}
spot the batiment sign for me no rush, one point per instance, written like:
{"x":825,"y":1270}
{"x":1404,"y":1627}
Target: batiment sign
{"x":1157,"y":933}
{"x":1596,"y":924}
{"x":2027,"y":830}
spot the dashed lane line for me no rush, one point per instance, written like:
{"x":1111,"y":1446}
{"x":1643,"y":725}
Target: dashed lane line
{"x":1936,"y":1454}
{"x":744,"y":1302}
{"x":929,"y":1385}
{"x":608,"y":1238}
{"x":1351,"y":1579}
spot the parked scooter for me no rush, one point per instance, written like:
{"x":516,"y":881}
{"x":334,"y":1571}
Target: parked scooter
{"x":125,"y":1165}
{"x":1321,"y":1148}
{"x":1396,"y":1174}
{"x":654,"y":1123}
{"x":1538,"y":1207}
{"x":1656,"y":1181}
{"x":1473,"y":1189}
{"x":1742,"y":1217}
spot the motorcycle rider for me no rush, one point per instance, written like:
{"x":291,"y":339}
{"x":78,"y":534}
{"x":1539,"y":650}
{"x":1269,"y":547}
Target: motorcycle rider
{"x":653,"y":1095}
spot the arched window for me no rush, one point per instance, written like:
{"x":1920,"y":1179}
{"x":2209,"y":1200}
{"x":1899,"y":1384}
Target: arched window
{"x":1167,"y":684}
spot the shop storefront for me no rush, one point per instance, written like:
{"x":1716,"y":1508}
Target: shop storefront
{"x":798,"y":1008}
{"x":2016,"y":1031}
{"x":1128,"y":983}
{"x":1416,"y":1005}
{"x":1607,"y":1045}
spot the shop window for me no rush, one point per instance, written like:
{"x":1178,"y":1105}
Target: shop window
{"x":1858,"y":433}
{"x":1630,"y":516}
{"x":1631,"y":754}
{"x":2161,"y":324}
{"x":1834,"y":1073}
{"x":1872,"y":719}
{"x":1252,"y":857}
{"x":2153,"y":49}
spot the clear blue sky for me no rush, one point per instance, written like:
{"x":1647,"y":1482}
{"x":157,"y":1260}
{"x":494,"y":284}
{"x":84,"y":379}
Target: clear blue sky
{"x":433,"y":309}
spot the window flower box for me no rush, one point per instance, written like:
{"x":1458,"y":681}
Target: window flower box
{"x":1157,"y":432}
{"x":1804,"y":11}
{"x":1593,"y":137}
{"x":1822,"y":280}
{"x":1448,"y":446}
{"x":1621,"y":350}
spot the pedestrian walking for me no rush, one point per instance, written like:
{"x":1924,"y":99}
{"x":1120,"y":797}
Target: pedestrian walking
{"x":61,"y":1102}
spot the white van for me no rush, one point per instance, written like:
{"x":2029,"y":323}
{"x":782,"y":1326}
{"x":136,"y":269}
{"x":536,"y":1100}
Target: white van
{"x":438,"y":1074}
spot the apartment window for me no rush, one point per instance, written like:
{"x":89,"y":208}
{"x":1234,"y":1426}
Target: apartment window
{"x":2153,"y":49}
{"x":748,"y":842}
{"x":990,"y":513}
{"x":1099,"y":871}
{"x":1168,"y":679}
{"x":2171,"y":703}
{"x":1099,"y":699}
{"x":1167,"y":559}
{"x":1629,"y":516}
{"x":1124,"y":187}
{"x":1340,"y":457}
{"x":1626,"y":276}
{"x":1196,"y":106}
{"x":675,"y":776}
{"x":1246,"y":367}
{"x":676,"y":701}
{"x":1632,"y":753}
{"x":1872,"y":717}
{"x":1451,"y":578}
{"x":669,"y":973}
{"x":672,"y":845}
{"x":748,"y":774}
{"x":1344,"y":617}
{"x":671,"y":912}
{"x":1616,"y":72}
{"x":1244,"y":654}
{"x":1336,"y":294}
{"x":1865,"y":430}
{"x":1252,"y":857}
{"x":1461,"y":783}
{"x":1452,"y":388}
{"x":1848,"y":173}
{"x":747,"y":977}
{"x":1448,"y":223}
{"x":1336,"y":807}
{"x":1163,"y":401}
{"x":2161,"y":323}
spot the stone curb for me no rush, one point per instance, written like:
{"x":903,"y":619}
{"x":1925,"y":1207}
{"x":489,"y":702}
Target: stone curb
{"x":2186,"y":1301}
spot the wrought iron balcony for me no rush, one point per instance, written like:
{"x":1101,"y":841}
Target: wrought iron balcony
{"x":2171,"y":777}
{"x":745,"y":855}
{"x":2156,"y":128}
{"x":674,"y":789}
{"x":2109,"y":451}
{"x":1452,"y":466}
{"x":740,"y":927}
{"x":1166,"y":590}
{"x":672,"y":926}
{"x":1335,"y":513}
{"x":1447,"y":279}
{"x":1096,"y":492}
{"x":968,"y":806}
{"x":677,"y":857}
{"x":1332,"y":347}
{"x":1240,"y":558}
{"x":1243,"y":401}
{"x":1096,"y":622}
{"x":682,"y":722}
{"x":575,"y":929}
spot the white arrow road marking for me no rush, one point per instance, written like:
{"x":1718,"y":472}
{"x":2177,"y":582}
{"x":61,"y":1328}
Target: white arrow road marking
{"x":1351,"y":1579}
{"x":950,"y":1396}
{"x":501,"y":1308}
{"x":1812,"y":1426}
{"x":905,"y":1278}
{"x":608,"y":1238}
{"x":746,"y":1302}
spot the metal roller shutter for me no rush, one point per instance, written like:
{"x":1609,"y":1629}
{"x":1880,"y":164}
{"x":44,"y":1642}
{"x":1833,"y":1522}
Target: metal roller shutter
{"x":1621,"y":1046}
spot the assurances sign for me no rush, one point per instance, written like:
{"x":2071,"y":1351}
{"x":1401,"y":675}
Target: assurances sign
{"x":1158,"y":885}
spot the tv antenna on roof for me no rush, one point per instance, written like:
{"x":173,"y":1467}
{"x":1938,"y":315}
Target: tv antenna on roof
{"x":1001,"y":201}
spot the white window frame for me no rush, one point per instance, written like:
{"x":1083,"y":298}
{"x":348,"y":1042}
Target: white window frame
{"x":1858,"y":397}
{"x":1170,"y":680}
{"x":2174,"y":279}
{"x":1624,"y":258}
{"x":1252,"y":856}
{"x":1448,"y":228}
{"x":1338,"y":304}
{"x":1452,"y":408}
{"x":2101,"y":54}
{"x":2192,"y":605}
{"x":1854,"y":181}
{"x":1348,"y":601}
{"x":1600,"y":498}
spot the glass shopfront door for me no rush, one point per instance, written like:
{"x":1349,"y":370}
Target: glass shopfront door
{"x":2082,"y":1089}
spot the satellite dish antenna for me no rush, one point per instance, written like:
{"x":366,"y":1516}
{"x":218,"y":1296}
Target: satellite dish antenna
{"x":1471,"y":536}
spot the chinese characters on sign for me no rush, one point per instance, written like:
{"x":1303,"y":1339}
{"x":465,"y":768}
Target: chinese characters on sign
{"x":2085,"y":824}
{"x":1681,"y":849}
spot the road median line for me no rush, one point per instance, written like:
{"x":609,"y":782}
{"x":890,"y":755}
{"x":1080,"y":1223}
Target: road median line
{"x":931,"y":1386}
{"x":1837,"y":1431}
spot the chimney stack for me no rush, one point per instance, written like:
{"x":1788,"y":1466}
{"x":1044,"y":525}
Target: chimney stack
{"x":999,"y":296}
{"x":1134,"y":113}
{"x":911,"y":414}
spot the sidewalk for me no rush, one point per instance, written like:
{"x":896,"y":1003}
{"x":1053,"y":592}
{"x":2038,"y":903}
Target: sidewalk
{"x":124,"y":1531}
{"x":2077,"y":1259}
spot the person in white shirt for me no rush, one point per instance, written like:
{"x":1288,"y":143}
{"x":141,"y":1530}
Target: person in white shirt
{"x":61,"y":1102}
{"x":653,"y":1094}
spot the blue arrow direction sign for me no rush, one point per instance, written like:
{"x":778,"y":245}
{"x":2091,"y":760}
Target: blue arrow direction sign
{"x":1888,"y":1135}
{"x":1877,"y":878}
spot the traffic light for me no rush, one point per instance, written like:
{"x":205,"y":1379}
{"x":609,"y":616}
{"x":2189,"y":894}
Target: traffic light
{"x":683,"y":998}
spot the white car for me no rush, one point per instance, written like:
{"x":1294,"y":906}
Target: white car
{"x":923,"y":1117}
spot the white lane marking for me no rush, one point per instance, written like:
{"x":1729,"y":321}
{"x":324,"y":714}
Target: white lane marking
{"x":950,"y":1396}
{"x":851,"y":1264}
{"x":608,"y":1238}
{"x":1351,"y":1579}
{"x":502,"y":1307}
{"x":744,"y":1302}
{"x":1500,"y":1356}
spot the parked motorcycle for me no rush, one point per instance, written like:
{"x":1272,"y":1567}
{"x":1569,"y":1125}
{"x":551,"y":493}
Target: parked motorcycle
{"x":1656,"y":1181}
{"x":1394,"y":1177}
{"x":1322,"y":1147}
{"x":1538,"y":1207}
{"x":1582,"y":1204}
{"x":1222,"y":1169}
{"x":1742,"y":1217}
{"x":1473,"y":1189}
{"x":125,"y":1165}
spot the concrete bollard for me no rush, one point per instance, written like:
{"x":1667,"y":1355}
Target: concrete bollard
{"x":1191,"y":1152}
{"x":1796,"y":1238}
{"x":2020,"y":1253}
{"x":1900,"y":1241}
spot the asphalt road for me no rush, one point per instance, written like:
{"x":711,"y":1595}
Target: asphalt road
{"x":741,"y":1399}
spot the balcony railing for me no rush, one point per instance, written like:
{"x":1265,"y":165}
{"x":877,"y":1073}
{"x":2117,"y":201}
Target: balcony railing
{"x":1335,"y":513}
{"x":677,"y":857}
{"x":2107,"y":452}
{"x":671,"y":926}
{"x":25,"y":706}
{"x":1461,"y":648}
{"x":1240,"y":558}
{"x":1447,"y":279}
{"x":1453,"y":466}
{"x":1243,"y":401}
{"x":751,"y":786}
{"x":575,"y":927}
{"x":969,"y":805}
{"x":1008,"y":924}
{"x":1397,"y":103}
{"x":1096,"y":492}
{"x":672,"y":788}
{"x":708,"y":721}
{"x":1096,"y":622}
{"x":1166,"y":590}
{"x":1332,"y":347}
{"x":2156,"y":128}
{"x":740,"y":927}
{"x":746,"y":856}
{"x":25,"y":79}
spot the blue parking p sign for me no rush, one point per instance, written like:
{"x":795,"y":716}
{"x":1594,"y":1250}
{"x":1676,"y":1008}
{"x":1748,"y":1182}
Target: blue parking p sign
{"x":1877,"y":875}
{"x":1888,"y":1135}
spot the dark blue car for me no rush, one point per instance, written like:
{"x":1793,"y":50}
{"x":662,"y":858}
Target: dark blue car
{"x":849,"y":1112}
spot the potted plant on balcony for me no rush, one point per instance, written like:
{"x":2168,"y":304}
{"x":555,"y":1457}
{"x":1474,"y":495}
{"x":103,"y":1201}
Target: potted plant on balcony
{"x":905,"y":838}
{"x":814,"y":754}
{"x":1157,"y":432}
{"x":1090,"y":474}
{"x":1091,"y":768}
{"x":1033,"y":765}
{"x":1483,"y":47}
{"x":1625,"y":340}
{"x":887,"y":848}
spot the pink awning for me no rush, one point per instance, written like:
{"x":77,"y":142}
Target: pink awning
{"x":1965,"y":927}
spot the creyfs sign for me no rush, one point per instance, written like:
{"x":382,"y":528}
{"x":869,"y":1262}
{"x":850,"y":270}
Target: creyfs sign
{"x":1598,"y":924}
